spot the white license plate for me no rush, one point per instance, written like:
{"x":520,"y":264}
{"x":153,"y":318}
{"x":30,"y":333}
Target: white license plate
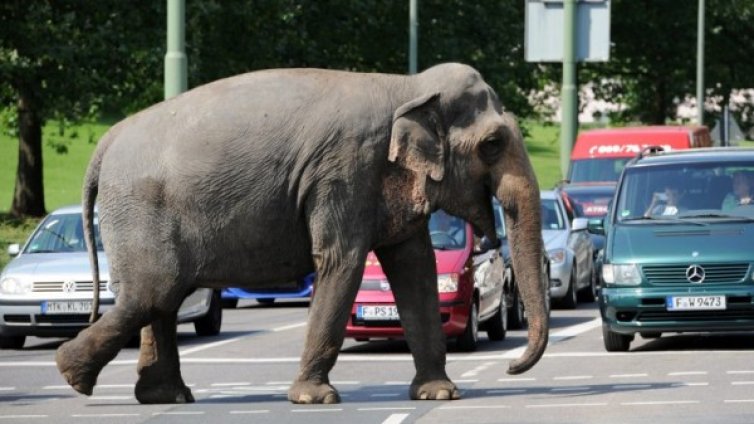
{"x":377,"y":312}
{"x":695,"y":303}
{"x":67,"y":307}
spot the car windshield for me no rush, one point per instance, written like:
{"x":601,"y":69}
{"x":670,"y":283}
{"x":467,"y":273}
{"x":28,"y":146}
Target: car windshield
{"x":687,"y":192}
{"x":61,"y":233}
{"x":593,"y":170}
{"x":589,"y":205}
{"x":447,"y":231}
{"x":551,"y":219}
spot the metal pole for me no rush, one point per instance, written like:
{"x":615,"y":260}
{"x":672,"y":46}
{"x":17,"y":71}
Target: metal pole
{"x":176,"y":72}
{"x":700,"y":65}
{"x":412,"y":36}
{"x":569,"y":96}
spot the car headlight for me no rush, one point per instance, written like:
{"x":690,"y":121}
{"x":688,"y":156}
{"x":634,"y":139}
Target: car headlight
{"x":447,"y":283}
{"x":10,"y":285}
{"x":557,"y":256}
{"x":621,"y":275}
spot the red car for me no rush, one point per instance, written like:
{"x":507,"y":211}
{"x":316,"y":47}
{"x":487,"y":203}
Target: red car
{"x":470,"y":283}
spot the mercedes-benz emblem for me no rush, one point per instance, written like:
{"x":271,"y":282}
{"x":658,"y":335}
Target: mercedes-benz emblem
{"x":695,"y":274}
{"x":69,"y":286}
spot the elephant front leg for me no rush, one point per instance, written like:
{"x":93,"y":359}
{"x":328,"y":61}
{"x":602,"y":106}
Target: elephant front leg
{"x":336,"y":288}
{"x":159,"y":371}
{"x":410,"y":269}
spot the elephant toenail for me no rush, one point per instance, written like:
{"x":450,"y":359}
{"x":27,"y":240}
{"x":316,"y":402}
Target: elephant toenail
{"x":304,"y":399}
{"x":443,"y":395}
{"x":332,"y":398}
{"x":424,"y":396}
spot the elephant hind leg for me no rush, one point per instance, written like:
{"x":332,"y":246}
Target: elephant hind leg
{"x":159,"y":371}
{"x":80,"y":360}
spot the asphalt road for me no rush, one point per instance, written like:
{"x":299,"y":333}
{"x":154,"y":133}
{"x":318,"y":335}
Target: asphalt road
{"x":243,"y":375}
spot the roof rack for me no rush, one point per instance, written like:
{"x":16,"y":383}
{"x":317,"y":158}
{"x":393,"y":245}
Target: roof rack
{"x":650,"y":150}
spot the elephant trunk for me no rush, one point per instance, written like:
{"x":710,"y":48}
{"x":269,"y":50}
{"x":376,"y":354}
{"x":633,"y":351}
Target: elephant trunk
{"x":519,"y":195}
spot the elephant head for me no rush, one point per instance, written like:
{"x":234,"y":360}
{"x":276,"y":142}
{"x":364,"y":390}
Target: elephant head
{"x":463,"y":149}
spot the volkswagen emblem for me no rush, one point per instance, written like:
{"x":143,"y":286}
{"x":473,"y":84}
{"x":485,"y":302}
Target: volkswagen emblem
{"x":69,"y":286}
{"x":695,"y":274}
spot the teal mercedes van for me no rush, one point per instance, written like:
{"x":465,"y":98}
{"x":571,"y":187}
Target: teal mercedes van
{"x":679,"y":248}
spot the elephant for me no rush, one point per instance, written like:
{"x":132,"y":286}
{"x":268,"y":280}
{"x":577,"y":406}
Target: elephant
{"x":265,"y":177}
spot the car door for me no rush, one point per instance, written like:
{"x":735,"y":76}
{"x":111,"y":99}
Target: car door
{"x":580,"y":244}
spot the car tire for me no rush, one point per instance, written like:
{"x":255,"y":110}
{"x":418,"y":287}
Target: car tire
{"x":615,"y":342}
{"x":497,"y":326}
{"x":209,"y":324}
{"x":570,"y":300}
{"x":266,"y":301}
{"x":517,"y":312}
{"x":230,"y":303}
{"x":467,"y":342}
{"x":12,"y":342}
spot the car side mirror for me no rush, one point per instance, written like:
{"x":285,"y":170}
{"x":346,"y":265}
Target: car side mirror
{"x":596,"y":226}
{"x":579,"y":224}
{"x":485,"y":245}
{"x":14,"y":249}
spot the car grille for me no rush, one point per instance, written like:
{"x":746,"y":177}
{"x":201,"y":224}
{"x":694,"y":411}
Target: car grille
{"x":57,"y":286}
{"x":714,"y":273}
{"x":710,"y":316}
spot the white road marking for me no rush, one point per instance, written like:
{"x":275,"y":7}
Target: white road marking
{"x":385,"y":395}
{"x":179,"y":413}
{"x":104,"y":415}
{"x":661,"y":402}
{"x":514,"y":380}
{"x":317,"y":410}
{"x":243,"y":383}
{"x":209,"y":346}
{"x":629,"y":375}
{"x":253,"y":411}
{"x":740,"y":372}
{"x":7,"y":389}
{"x":742,"y":383}
{"x":475,"y":407}
{"x":688,"y":384}
{"x":289,"y":327}
{"x":679,"y":373}
{"x":111,"y":397}
{"x":57,"y":388}
{"x":738,"y":401}
{"x":395,"y":419}
{"x":478,"y":369}
{"x":565,"y":405}
{"x":468,"y":380}
{"x":397,"y":383}
{"x":387,"y":408}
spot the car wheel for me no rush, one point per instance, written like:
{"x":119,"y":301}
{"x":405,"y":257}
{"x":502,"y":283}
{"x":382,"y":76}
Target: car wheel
{"x":615,"y":342}
{"x":650,"y":334}
{"x":266,"y":301}
{"x":517,"y":312}
{"x":467,"y":341}
{"x":589,"y":294}
{"x":209,"y":324}
{"x":12,"y":342}
{"x":230,"y":303}
{"x":497,"y":326}
{"x":570,"y":300}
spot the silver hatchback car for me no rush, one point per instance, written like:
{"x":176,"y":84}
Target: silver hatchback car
{"x":46,"y":290}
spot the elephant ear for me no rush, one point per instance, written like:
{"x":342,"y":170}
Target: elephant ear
{"x":417,"y":137}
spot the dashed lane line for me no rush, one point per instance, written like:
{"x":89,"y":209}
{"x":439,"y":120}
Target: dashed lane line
{"x":395,"y":419}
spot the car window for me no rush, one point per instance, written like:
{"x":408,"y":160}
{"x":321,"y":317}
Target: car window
{"x":61,"y":233}
{"x":592,"y":170}
{"x":698,"y":190}
{"x":589,"y":205}
{"x":447,"y":231}
{"x":499,"y":219}
{"x":551,"y":218}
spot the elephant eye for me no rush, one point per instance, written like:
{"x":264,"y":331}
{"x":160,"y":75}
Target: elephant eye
{"x":491,"y":149}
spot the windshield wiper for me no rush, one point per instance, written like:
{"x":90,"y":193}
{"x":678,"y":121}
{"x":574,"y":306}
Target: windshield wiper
{"x":718,"y":215}
{"x":662,"y":218}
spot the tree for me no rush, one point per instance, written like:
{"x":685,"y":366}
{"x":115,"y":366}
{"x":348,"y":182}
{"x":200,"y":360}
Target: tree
{"x":61,"y":59}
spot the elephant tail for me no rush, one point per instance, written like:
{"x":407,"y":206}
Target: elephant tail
{"x":88,"y":198}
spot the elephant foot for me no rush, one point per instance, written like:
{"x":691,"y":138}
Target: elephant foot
{"x":77,"y":370}
{"x":434,"y":390}
{"x":163,"y":393}
{"x":306,"y":392}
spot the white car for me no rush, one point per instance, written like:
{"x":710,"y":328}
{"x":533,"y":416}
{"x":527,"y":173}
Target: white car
{"x":571,"y":253}
{"x":46,"y":290}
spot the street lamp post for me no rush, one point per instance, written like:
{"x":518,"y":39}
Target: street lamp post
{"x":176,"y":72}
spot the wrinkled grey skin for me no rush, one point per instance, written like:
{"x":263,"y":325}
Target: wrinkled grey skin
{"x":264,"y":177}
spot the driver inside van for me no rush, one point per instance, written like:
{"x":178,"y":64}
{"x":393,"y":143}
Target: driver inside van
{"x":666,"y":203}
{"x":743,"y":191}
